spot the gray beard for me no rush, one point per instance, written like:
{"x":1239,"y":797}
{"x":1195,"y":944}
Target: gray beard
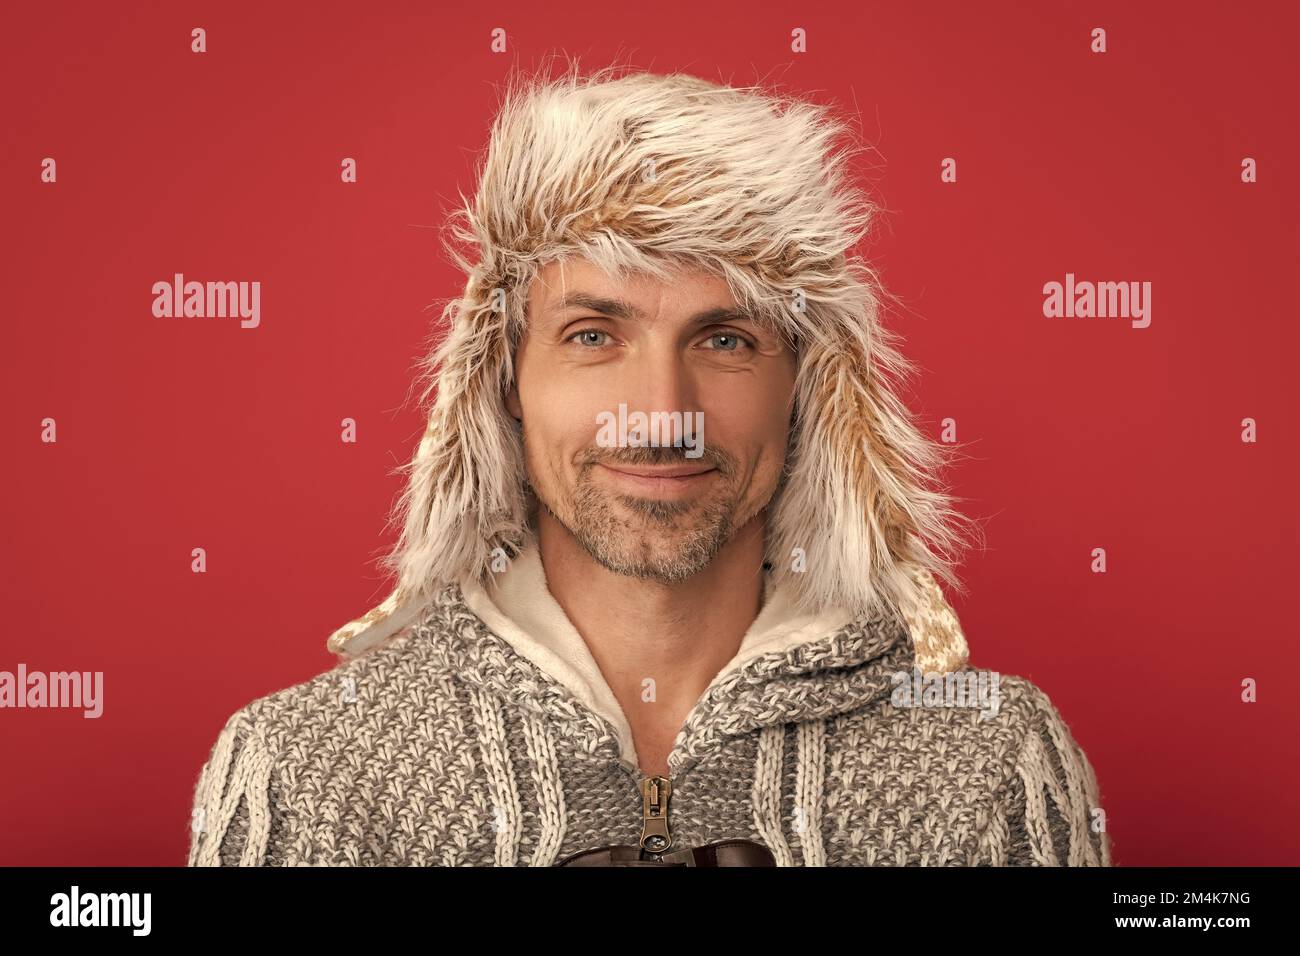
{"x":623,"y":545}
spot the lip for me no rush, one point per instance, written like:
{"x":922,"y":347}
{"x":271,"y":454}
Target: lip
{"x":672,"y":471}
{"x":671,"y":480}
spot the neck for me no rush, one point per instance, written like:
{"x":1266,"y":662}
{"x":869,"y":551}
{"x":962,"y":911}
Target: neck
{"x":679,"y":634}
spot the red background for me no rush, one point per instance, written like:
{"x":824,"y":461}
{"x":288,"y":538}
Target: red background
{"x":175,"y":434}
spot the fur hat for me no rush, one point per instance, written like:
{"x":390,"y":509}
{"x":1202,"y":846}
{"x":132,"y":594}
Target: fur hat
{"x":641,"y":173}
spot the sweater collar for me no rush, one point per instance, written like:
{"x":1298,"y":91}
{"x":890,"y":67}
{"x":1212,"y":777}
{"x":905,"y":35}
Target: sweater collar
{"x":512,"y":637}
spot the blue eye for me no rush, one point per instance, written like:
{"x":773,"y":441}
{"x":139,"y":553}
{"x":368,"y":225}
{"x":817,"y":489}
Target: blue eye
{"x":588,"y":332}
{"x":736,"y":340}
{"x":595,"y":338}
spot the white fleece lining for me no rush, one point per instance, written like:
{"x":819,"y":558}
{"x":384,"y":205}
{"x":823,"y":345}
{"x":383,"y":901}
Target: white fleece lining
{"x":521,"y":610}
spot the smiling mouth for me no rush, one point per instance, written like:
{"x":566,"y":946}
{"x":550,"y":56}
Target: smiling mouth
{"x":677,"y":471}
{"x":677,"y":478}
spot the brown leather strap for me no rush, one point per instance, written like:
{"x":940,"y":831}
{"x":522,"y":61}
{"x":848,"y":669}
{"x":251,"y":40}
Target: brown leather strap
{"x":735,"y":852}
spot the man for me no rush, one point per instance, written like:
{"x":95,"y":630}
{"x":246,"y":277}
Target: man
{"x":666,"y":587}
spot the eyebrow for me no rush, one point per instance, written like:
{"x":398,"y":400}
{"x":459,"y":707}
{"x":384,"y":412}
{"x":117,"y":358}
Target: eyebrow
{"x":619,"y":309}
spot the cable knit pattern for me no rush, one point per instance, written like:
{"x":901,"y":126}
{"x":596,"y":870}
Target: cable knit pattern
{"x":443,"y":746}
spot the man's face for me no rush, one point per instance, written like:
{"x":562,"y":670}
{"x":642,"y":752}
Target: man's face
{"x":594,"y":343}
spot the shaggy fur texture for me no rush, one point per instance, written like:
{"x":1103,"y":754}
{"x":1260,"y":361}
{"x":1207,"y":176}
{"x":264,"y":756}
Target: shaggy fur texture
{"x":647,"y":173}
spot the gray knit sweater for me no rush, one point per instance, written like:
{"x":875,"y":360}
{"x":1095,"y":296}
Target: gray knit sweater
{"x":444,"y":746}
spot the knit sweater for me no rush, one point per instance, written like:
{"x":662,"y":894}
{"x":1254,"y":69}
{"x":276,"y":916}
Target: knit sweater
{"x":484,"y":735}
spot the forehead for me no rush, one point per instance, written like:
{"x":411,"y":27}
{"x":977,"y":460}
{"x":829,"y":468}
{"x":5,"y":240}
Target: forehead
{"x":568,"y":284}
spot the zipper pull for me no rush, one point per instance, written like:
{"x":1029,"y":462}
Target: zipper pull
{"x":655,"y":793}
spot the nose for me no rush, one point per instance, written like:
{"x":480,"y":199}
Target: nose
{"x":660,"y":381}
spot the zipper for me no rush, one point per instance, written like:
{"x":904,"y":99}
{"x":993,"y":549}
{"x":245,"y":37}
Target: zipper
{"x":656,"y":794}
{"x":656,"y":838}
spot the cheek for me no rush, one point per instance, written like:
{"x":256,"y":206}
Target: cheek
{"x":754,"y":415}
{"x":559,"y":421}
{"x":755,"y":435}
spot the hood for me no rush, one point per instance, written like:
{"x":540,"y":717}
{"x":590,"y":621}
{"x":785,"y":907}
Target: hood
{"x":790,"y":666}
{"x":748,"y":187}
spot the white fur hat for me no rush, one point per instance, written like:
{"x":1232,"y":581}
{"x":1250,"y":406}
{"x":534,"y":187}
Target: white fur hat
{"x":640,"y":173}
